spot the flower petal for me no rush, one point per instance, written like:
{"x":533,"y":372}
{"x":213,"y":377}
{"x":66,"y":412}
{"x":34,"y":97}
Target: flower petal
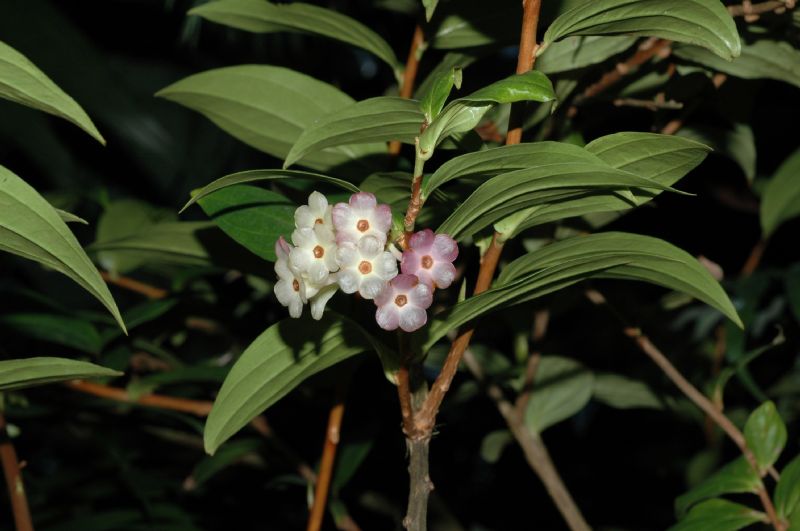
{"x":421,"y":296}
{"x":445,"y":248}
{"x":421,"y":241}
{"x":404,"y":283}
{"x":388,"y":317}
{"x":443,"y":274}
{"x":412,"y":318}
{"x":410,"y":264}
{"x":371,"y":287}
{"x":363,"y":201}
{"x":369,"y":247}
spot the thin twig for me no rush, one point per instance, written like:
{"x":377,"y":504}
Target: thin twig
{"x":332,"y":436}
{"x":673,"y":126}
{"x":650,"y":105}
{"x":525,"y":61}
{"x":200,"y":408}
{"x":751,"y":11}
{"x":648,"y":49}
{"x":151,"y":292}
{"x":534,"y":449}
{"x":16,"y":489}
{"x":699,"y":399}
{"x":410,"y":75}
{"x":754,"y":258}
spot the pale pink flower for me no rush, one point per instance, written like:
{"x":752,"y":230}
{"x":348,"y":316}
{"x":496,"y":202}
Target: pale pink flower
{"x":430,"y":257}
{"x":403,"y":303}
{"x":362,"y":216}
{"x":315,"y":214}
{"x":290,"y":288}
{"x":365,"y":268}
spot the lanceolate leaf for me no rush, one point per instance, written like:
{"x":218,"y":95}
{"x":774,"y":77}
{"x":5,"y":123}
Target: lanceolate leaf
{"x":275,"y":363}
{"x":503,"y":159}
{"x":735,"y":477}
{"x":765,"y":433}
{"x":562,"y":388}
{"x":267,"y":107}
{"x":18,"y":374}
{"x":719,"y":515}
{"x":253,"y":176}
{"x":702,"y":22}
{"x":57,"y":329}
{"x":469,"y":24}
{"x":764,"y":59}
{"x":31,"y":228}
{"x":22,"y":82}
{"x":578,"y":52}
{"x":169,"y":242}
{"x":372,"y":120}
{"x":435,"y":98}
{"x":648,"y":259}
{"x":620,"y":392}
{"x":736,"y":142}
{"x":558,"y":179}
{"x":782,"y":196}
{"x":465,"y":113}
{"x":787,"y":492}
{"x":252,"y":216}
{"x":265,"y":17}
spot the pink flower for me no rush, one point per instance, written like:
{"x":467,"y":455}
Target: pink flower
{"x":362,"y":216}
{"x":430,"y":257}
{"x":403,"y":303}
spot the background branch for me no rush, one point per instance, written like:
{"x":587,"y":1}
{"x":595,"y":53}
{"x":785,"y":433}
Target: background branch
{"x":13,"y":475}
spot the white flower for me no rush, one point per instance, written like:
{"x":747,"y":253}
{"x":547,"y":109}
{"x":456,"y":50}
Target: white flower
{"x":314,"y":254}
{"x":319,"y":300}
{"x":316,"y":213}
{"x":366,"y":267}
{"x":290,"y":288}
{"x":362,"y":216}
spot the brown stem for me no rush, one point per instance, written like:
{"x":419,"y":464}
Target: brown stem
{"x":13,"y":475}
{"x":424,"y":422}
{"x":701,"y":401}
{"x":525,"y":61}
{"x":332,"y":435}
{"x":750,"y":11}
{"x":534,"y":449}
{"x":414,"y":205}
{"x":754,"y":259}
{"x":409,"y":76}
{"x":151,"y":292}
{"x":201,"y":408}
{"x":646,"y":51}
{"x":420,"y":484}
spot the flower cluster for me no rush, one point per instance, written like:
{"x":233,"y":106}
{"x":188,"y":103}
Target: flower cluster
{"x":345,"y":247}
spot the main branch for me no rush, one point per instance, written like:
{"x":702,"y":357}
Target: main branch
{"x":13,"y":475}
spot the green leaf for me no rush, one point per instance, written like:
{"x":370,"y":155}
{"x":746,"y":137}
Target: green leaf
{"x":465,"y":113}
{"x":493,"y":444}
{"x":58,"y":329}
{"x":430,"y":7}
{"x":372,"y":120}
{"x":446,"y":65}
{"x":579,"y":52}
{"x":22,"y":82}
{"x":231,"y":454}
{"x":252,"y":216}
{"x":31,"y":228}
{"x":470,"y":24}
{"x":267,"y":107}
{"x":719,"y":515}
{"x":621,"y":392}
{"x":735,"y":477}
{"x":30,"y":372}
{"x":705,"y":23}
{"x":561,"y":388}
{"x":494,"y":161}
{"x":765,"y":434}
{"x":264,"y":17}
{"x":275,"y":363}
{"x":69,"y":217}
{"x":435,"y":98}
{"x":737,"y":143}
{"x":170,"y":242}
{"x":558,"y":177}
{"x":526,"y":288}
{"x":787,"y":492}
{"x":253,"y":176}
{"x":781,"y":200}
{"x":121,"y":219}
{"x":764,"y":59}
{"x":647,"y":259}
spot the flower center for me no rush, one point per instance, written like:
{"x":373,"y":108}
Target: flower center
{"x":427,"y":262}
{"x":295,"y":285}
{"x":365,"y":267}
{"x":318,"y":221}
{"x":401,"y":300}
{"x":362,"y":225}
{"x":318,"y":251}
